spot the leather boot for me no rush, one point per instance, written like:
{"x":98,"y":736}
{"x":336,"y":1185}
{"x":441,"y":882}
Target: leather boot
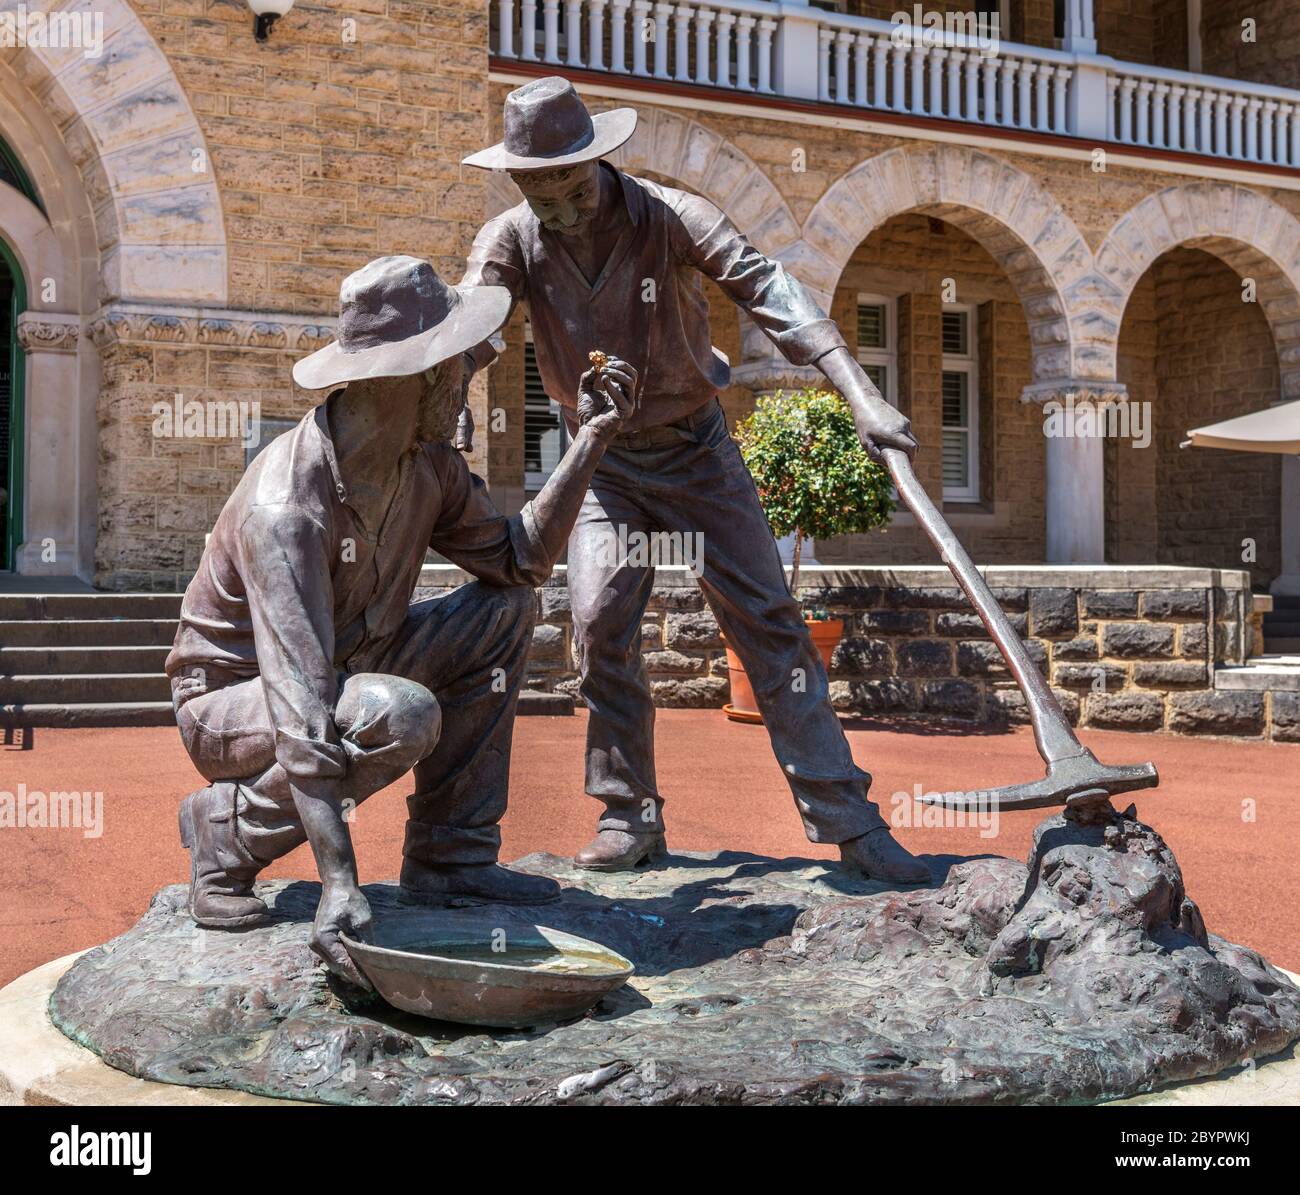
{"x":617,"y":850}
{"x":221,"y":869}
{"x":488,"y":882}
{"x":879,"y":856}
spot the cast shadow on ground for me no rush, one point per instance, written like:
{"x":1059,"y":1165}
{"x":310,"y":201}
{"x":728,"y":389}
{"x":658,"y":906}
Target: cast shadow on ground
{"x":694,"y":923}
{"x":928,"y":728}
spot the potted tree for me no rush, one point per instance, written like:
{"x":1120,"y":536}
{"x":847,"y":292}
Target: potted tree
{"x":815,"y":480}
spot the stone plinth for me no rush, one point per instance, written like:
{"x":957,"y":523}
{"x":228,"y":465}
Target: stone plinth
{"x":759,"y":981}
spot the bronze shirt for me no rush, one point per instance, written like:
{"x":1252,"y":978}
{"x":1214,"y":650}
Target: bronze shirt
{"x":647,"y":305}
{"x":294,"y":588}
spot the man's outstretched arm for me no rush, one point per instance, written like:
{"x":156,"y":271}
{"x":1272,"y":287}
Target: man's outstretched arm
{"x":778,"y":303}
{"x":522,"y":549}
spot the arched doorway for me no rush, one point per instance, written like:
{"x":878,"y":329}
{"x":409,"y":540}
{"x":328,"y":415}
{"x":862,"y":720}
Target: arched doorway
{"x":1195,"y":347}
{"x":13,"y":302}
{"x":939,"y":326}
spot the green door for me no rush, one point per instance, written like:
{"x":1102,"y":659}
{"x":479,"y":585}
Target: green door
{"x":12,"y":301}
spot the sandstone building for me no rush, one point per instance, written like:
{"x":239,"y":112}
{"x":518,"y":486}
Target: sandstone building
{"x":1104,"y":205}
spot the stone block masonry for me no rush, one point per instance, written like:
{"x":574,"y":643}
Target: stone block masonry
{"x":1124,"y":648}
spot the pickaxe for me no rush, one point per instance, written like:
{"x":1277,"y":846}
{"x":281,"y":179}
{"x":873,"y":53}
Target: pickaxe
{"x":1074,"y":775}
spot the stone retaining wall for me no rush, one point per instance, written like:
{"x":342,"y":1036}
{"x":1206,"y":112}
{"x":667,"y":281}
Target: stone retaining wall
{"x":1125,"y":648}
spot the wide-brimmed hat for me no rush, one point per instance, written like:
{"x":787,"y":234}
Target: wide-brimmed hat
{"x":397,"y":317}
{"x":548,"y":126}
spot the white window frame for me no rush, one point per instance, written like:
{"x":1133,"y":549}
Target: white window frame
{"x":888,"y":356}
{"x":966,"y":363}
{"x":534,"y":481}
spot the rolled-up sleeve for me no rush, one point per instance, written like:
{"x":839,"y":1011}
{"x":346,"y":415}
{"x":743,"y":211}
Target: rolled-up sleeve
{"x":285,"y":557}
{"x":775,"y":300}
{"x":472,"y":533}
{"x":495,"y":259}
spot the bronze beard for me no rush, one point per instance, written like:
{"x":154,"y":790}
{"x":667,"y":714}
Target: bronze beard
{"x":441,"y":404}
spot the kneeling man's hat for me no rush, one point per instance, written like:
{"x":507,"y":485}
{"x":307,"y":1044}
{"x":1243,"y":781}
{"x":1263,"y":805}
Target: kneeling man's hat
{"x":548,"y":126}
{"x":397,"y":317}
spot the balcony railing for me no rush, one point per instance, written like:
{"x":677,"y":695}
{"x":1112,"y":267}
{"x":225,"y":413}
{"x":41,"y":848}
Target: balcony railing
{"x":801,"y":53}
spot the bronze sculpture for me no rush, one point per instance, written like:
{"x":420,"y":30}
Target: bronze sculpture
{"x":304,"y":681}
{"x":605,"y":258}
{"x":1084,"y":975}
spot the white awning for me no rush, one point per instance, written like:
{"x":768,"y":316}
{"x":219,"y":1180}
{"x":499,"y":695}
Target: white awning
{"x":1275,"y":429}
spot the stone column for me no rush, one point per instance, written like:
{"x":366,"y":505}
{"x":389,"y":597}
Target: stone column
{"x":58,"y":512}
{"x":1080,"y":30}
{"x":1076,"y":468}
{"x":1289,"y":581}
{"x":763,"y":370}
{"x":797,"y":51}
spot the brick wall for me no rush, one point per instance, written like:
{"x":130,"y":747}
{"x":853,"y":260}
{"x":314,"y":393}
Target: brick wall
{"x":330,"y":152}
{"x":159,"y":495}
{"x":1274,"y":54}
{"x":327,"y":152}
{"x":1131,"y":651}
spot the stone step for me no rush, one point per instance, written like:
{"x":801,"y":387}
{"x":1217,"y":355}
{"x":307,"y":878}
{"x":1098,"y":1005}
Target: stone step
{"x":560,"y":704}
{"x":89,"y":632}
{"x":123,"y":713}
{"x":1277,"y":674}
{"x":48,"y":606}
{"x":93,"y":688}
{"x":47,"y":661}
{"x":159,"y":713}
{"x":1281,"y":645}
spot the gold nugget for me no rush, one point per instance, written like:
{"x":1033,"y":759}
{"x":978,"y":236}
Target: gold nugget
{"x":598,"y":359}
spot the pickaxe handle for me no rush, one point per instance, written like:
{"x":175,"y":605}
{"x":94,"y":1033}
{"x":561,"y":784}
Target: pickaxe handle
{"x":1052,"y":732}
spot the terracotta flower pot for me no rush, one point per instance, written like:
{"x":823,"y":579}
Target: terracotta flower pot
{"x":826,"y":633}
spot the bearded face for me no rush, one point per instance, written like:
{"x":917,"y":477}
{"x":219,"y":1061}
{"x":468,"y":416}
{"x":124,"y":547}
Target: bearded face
{"x":441,"y":403}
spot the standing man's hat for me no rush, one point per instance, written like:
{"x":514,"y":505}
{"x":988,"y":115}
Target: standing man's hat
{"x":397,"y":318}
{"x":548,"y":126}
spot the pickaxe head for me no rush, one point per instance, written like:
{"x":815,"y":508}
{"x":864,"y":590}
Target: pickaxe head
{"x":1076,"y":779}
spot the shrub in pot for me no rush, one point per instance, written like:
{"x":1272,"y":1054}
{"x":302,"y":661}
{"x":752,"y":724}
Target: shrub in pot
{"x":816,"y":481}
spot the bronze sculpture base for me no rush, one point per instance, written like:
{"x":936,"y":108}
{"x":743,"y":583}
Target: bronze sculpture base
{"x":758,"y":981}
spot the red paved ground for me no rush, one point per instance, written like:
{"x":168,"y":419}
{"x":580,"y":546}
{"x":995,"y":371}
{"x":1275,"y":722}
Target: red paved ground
{"x":1231,"y":811}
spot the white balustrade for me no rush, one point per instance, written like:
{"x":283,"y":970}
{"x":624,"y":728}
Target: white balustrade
{"x":857,"y":62}
{"x":1225,"y":118}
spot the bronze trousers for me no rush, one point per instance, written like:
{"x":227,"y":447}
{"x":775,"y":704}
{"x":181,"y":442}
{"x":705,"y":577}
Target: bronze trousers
{"x":440,"y":697}
{"x":688,"y":478}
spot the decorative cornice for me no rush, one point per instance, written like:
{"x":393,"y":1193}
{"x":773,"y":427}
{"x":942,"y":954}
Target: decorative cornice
{"x":1079,"y":390}
{"x":135,"y":323}
{"x":48,"y":332}
{"x":771,"y":376}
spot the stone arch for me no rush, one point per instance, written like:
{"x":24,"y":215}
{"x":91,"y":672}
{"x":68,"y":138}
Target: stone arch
{"x":1249,"y":232}
{"x":704,"y":161}
{"x":129,"y":129}
{"x":56,"y":250}
{"x":1020,"y":224}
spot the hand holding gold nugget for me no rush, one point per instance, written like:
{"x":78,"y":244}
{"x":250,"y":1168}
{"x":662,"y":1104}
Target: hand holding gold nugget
{"x":605,"y":393}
